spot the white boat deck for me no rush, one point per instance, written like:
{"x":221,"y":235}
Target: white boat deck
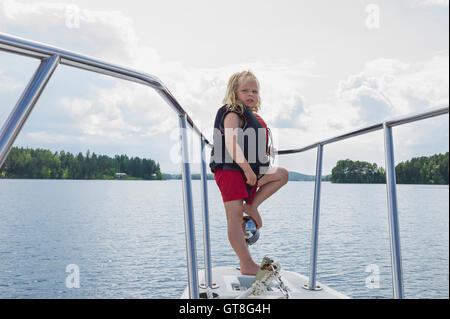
{"x":231,"y":284}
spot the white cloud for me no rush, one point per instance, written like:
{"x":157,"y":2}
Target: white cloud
{"x":201,"y":91}
{"x":111,"y":36}
{"x":106,"y":34}
{"x":127,"y":109}
{"x":123,"y":112}
{"x":48,"y":138}
{"x":387,"y":87}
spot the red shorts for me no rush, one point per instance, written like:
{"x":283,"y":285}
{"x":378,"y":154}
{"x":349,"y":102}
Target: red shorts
{"x":233,"y":186}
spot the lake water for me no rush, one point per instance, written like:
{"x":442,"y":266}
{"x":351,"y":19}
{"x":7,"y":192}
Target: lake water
{"x":127,"y":238}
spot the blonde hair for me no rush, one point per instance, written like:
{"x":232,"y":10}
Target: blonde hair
{"x":233,"y":83}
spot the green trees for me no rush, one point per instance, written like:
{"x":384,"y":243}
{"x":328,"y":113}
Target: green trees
{"x":43,"y":164}
{"x":420,"y":170}
{"x":424,"y":170}
{"x":347,"y":171}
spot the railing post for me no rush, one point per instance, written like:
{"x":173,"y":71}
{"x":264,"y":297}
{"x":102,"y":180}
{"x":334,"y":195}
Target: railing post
{"x":394,"y":232}
{"x":25,"y":104}
{"x":315,"y":224}
{"x":206,"y":238}
{"x":189,"y":223}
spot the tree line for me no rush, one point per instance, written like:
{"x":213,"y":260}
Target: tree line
{"x":419,"y":170}
{"x":44,"y":164}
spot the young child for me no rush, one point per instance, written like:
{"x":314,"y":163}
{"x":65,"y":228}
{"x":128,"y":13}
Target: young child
{"x":247,"y":177}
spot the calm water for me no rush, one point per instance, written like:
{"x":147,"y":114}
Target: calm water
{"x":127,"y":237}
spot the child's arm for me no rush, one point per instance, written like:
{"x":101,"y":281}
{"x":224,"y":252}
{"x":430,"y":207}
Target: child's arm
{"x":231,"y":124}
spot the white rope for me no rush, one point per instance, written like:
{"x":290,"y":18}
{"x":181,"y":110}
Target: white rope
{"x":261,"y":286}
{"x":284,"y":290}
{"x":258,"y":287}
{"x":209,"y":294}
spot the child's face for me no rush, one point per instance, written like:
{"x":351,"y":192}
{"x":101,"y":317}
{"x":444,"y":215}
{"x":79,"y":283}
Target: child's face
{"x":248,"y":93}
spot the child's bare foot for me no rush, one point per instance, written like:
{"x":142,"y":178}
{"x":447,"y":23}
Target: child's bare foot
{"x":253,"y":213}
{"x":249,"y":269}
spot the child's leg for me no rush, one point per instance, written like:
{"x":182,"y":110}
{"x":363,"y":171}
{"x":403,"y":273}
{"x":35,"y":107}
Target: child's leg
{"x":268,"y":185}
{"x":234,"y":210}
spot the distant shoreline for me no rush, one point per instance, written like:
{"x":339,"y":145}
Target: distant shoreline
{"x":27,"y":163}
{"x":175,"y":179}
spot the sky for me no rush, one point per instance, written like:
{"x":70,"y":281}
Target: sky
{"x":325,"y":68}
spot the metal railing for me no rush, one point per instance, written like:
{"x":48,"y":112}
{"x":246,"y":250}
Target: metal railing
{"x":394,"y":232}
{"x":51,"y":57}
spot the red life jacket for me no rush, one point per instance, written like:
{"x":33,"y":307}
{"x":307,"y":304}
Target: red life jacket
{"x":265,"y":126}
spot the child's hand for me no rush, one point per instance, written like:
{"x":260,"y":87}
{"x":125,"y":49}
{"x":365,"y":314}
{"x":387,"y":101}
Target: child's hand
{"x":250,"y":176}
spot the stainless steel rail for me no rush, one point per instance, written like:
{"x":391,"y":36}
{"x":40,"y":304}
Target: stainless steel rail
{"x":394,"y":226}
{"x":315,"y":224}
{"x":189,"y":223}
{"x":205,"y":208}
{"x":374,"y":127}
{"x":51,"y":57}
{"x":24,"y":106}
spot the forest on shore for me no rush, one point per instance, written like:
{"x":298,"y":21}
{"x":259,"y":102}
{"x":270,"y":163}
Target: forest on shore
{"x":44,"y":164}
{"x":419,"y":170}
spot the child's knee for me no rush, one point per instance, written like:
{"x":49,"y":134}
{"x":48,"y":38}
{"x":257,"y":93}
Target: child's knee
{"x":284,"y":175}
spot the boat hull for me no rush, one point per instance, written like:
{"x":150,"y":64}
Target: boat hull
{"x":230,"y":284}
